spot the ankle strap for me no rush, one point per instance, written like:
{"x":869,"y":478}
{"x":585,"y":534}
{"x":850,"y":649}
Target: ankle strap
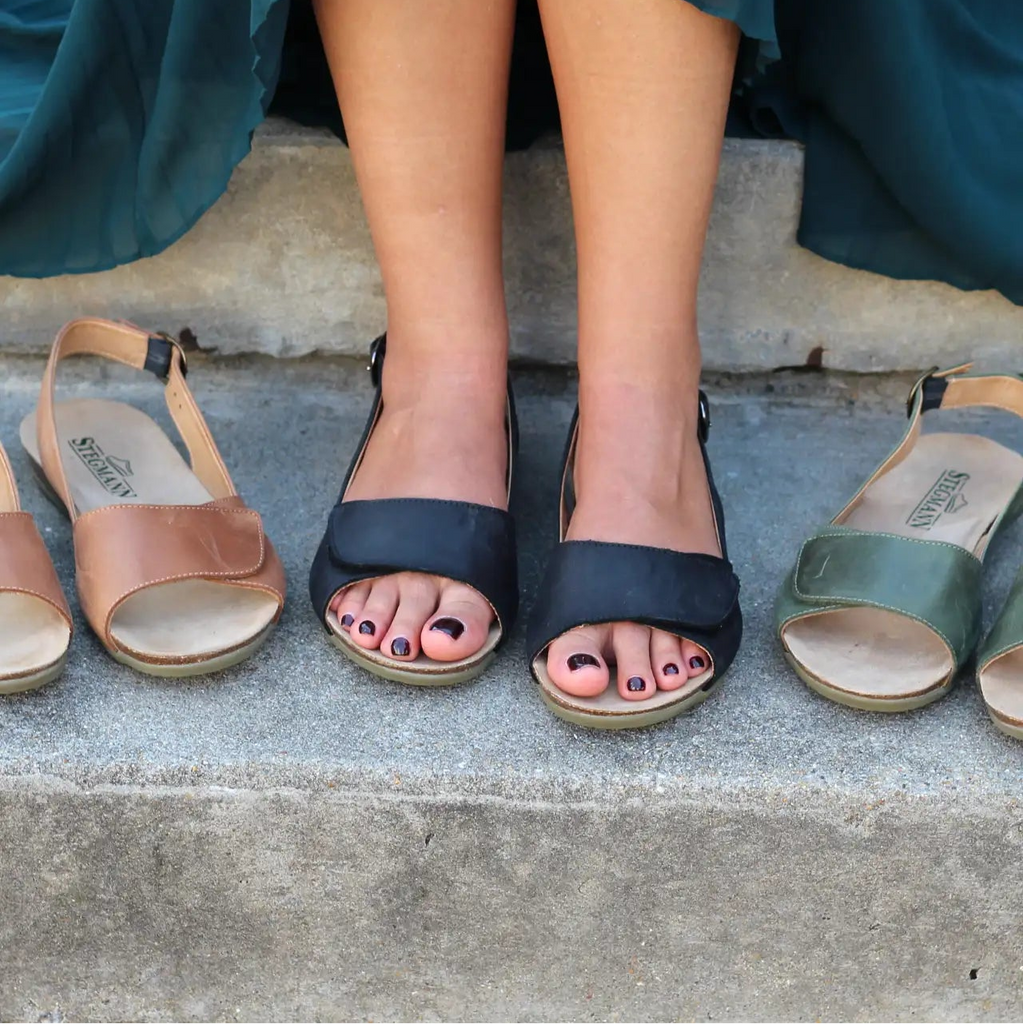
{"x":159,"y":354}
{"x":943,"y":389}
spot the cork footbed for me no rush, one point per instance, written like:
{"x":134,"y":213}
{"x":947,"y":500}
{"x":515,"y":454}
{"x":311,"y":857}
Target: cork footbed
{"x":879,"y":659}
{"x":610,"y":710}
{"x":115,"y":454}
{"x":34,"y":639}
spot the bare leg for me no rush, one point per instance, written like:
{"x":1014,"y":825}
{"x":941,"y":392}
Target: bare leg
{"x":423,"y":90}
{"x":643,"y":87}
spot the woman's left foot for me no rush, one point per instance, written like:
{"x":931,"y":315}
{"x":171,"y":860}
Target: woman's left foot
{"x":639,"y":479}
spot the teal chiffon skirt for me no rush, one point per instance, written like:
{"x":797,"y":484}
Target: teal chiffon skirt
{"x":121,"y":122}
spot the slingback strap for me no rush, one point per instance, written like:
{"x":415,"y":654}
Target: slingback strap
{"x":25,"y":564}
{"x":123,"y":549}
{"x":933,"y":582}
{"x":141,"y":350}
{"x":693,"y":596}
{"x":473,"y":544}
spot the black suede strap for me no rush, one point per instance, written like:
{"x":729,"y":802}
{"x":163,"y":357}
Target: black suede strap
{"x":474,"y":544}
{"x":589,"y":582}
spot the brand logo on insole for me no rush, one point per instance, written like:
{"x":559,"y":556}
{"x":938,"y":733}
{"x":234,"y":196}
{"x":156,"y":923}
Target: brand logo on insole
{"x":944,"y":498}
{"x":110,"y":471}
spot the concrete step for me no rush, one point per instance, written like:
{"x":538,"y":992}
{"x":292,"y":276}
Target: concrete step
{"x":295,"y":840}
{"x":283,"y":265}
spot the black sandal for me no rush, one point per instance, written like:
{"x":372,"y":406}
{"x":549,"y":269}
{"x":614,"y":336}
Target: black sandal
{"x":694,"y":596}
{"x":364,"y":540}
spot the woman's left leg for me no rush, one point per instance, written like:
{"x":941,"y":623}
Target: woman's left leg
{"x":643,"y":87}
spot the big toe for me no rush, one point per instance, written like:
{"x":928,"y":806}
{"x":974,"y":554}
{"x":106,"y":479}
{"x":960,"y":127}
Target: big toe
{"x":575,"y":661}
{"x":459,"y":627}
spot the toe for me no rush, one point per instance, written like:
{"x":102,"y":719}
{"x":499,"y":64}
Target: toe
{"x":373,"y":621}
{"x":417,"y":601}
{"x":460,"y":625}
{"x":575,"y":661}
{"x":695,"y":659}
{"x":348,"y":604}
{"x":666,"y":654}
{"x":632,"y":656}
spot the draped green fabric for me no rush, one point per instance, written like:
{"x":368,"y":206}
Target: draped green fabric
{"x":121,"y":121}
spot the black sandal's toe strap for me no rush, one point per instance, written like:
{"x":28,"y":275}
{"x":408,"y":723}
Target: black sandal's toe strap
{"x":588,"y":582}
{"x":474,"y":544}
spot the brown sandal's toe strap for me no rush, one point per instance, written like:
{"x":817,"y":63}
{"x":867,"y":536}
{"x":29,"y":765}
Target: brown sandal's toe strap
{"x":122,"y":549}
{"x":25,"y":565}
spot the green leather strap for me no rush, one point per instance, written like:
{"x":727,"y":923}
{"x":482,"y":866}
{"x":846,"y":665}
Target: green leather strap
{"x":1007,"y":632}
{"x":933,"y":582}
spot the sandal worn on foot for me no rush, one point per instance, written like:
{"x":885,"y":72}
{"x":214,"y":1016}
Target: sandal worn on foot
{"x":35,"y":621}
{"x":883,"y":606}
{"x":694,"y":596}
{"x":175,"y":575}
{"x":462,"y":541}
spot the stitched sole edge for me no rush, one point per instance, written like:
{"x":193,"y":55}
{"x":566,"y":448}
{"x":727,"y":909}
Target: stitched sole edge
{"x":195,"y":668}
{"x":19,"y":684}
{"x":632,"y":720}
{"x":890,"y":705}
{"x":410,"y":677}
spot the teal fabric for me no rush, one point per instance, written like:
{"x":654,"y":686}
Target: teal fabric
{"x":1007,"y":632}
{"x":121,"y":121}
{"x":931,"y":581}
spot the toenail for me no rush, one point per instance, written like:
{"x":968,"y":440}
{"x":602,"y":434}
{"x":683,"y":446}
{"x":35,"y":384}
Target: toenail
{"x":452,"y":627}
{"x":697,"y":662}
{"x":366,"y":628}
{"x":578,"y":661}
{"x":401,"y":647}
{"x":635,"y":684}
{"x":347,"y":620}
{"x":671,"y":669}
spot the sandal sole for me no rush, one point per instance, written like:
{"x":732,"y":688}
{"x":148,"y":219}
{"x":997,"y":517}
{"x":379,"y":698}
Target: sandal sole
{"x":1007,"y":729}
{"x":889,"y":705}
{"x":21,"y":684}
{"x":410,"y":677}
{"x":194,"y":668}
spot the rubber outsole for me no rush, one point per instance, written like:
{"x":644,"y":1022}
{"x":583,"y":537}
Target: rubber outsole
{"x":194,"y":668}
{"x":410,"y":677}
{"x":21,"y":684}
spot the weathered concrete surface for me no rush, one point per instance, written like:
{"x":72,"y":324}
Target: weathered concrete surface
{"x":283,"y":265}
{"x":295,"y":840}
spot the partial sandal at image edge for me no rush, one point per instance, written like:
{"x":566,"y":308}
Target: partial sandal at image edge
{"x":883,"y":605}
{"x":694,"y":596}
{"x":368,"y":539}
{"x":175,"y":574}
{"x":35,"y":621}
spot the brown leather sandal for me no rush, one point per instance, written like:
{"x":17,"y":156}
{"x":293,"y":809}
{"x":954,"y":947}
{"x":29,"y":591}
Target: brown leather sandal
{"x":175,"y":575}
{"x":35,"y":622}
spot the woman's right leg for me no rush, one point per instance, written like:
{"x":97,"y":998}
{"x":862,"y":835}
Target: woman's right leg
{"x":423,"y":91}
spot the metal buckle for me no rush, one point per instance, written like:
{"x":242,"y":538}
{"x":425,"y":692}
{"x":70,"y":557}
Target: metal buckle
{"x":174,"y":343}
{"x":703,"y":418}
{"x":917,"y":387}
{"x":376,"y":359}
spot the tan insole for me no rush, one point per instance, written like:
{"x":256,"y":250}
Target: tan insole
{"x":952,"y":488}
{"x":114,"y":454}
{"x":33,"y":636}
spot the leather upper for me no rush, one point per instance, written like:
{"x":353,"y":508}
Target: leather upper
{"x":25,"y":564}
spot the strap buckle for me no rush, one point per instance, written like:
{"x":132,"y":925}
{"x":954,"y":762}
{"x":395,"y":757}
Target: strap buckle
{"x":160,"y":354}
{"x":376,"y":359}
{"x":703,"y":418}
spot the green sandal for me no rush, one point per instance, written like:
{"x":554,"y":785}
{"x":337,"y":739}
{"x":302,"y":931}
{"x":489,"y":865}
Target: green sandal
{"x":1000,"y":665}
{"x":883,"y":606}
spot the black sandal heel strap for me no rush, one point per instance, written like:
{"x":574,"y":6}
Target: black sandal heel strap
{"x":589,"y":582}
{"x":474,"y":544}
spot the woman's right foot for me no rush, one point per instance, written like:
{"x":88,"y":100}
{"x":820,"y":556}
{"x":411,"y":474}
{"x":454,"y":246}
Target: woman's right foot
{"x":441,"y":434}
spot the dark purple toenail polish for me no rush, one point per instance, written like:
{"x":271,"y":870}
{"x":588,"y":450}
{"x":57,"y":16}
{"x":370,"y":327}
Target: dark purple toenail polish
{"x":578,"y":661}
{"x":671,"y":670}
{"x":401,"y":648}
{"x":697,"y":662}
{"x":452,"y":627}
{"x":347,"y":620}
{"x":366,"y":628}
{"x":635,"y":685}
